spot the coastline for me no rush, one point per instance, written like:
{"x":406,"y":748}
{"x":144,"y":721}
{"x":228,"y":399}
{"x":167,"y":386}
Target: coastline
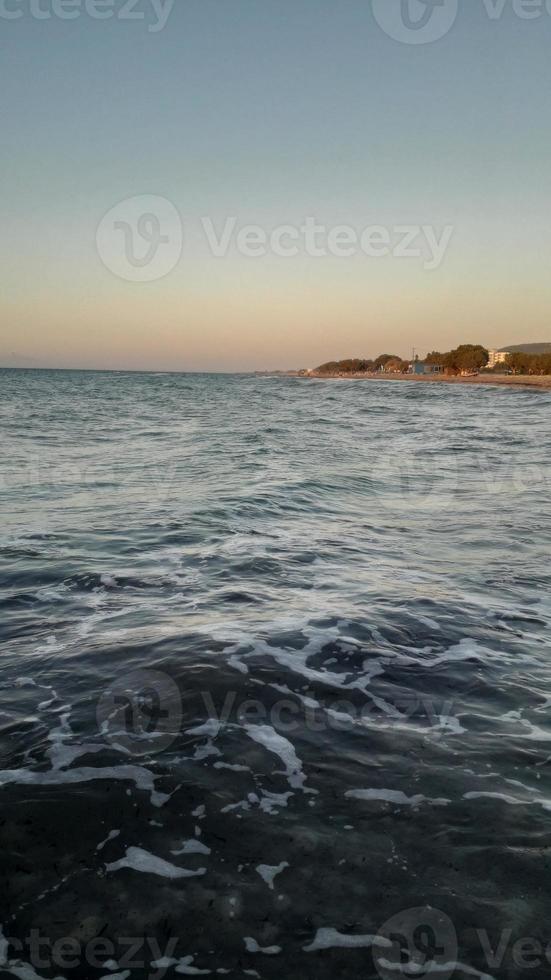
{"x":539,"y":382}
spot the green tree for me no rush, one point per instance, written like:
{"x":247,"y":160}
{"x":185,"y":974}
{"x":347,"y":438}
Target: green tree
{"x":521,"y":363}
{"x":466,"y":357}
{"x":383,"y":359}
{"x":518,"y":362}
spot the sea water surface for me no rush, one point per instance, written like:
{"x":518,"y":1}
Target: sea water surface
{"x":275,"y":680}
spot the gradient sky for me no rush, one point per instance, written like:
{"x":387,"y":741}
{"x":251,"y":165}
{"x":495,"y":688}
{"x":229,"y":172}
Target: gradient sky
{"x":272,"y":111}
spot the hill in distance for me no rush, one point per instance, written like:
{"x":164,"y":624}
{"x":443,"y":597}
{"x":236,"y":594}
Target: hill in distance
{"x":528,"y":348}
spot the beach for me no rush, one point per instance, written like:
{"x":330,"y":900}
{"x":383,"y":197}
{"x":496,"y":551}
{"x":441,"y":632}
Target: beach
{"x":517,"y":381}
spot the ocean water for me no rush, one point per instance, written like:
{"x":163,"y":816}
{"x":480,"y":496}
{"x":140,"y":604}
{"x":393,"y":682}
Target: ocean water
{"x":275,"y":681}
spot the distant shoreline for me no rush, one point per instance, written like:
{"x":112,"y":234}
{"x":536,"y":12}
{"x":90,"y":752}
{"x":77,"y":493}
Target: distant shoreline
{"x":542,"y":382}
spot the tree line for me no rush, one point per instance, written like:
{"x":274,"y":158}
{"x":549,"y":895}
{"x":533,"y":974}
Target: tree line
{"x":465,"y":358}
{"x":360,"y":365}
{"x":468,"y":357}
{"x":520,"y":363}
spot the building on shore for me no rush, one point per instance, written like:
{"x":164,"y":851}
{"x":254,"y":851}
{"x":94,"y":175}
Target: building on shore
{"x":497,"y":357}
{"x":421,"y":367}
{"x":500,"y":356}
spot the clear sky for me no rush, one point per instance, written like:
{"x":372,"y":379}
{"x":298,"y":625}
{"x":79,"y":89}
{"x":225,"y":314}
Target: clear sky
{"x":268,"y":113}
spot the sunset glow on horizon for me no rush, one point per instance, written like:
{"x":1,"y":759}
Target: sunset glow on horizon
{"x":244,"y":117}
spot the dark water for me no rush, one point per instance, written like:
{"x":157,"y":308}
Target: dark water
{"x":275,"y":677}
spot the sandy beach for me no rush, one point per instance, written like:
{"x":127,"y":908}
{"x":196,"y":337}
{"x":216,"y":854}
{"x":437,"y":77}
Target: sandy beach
{"x":543,"y":382}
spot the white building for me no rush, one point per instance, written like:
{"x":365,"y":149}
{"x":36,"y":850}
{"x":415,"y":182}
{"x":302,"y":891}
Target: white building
{"x":497,"y":357}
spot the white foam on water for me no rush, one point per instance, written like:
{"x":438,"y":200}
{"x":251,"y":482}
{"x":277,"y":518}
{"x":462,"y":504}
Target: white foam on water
{"x":204,"y":751}
{"x":427,"y":621}
{"x":185,"y":967}
{"x":535,"y":733}
{"x":52,"y":645}
{"x":96,"y":600}
{"x":494,"y":796}
{"x":268,"y":802}
{"x":329,"y":938}
{"x":467,"y":649}
{"x":270,"y":871}
{"x":62,"y":755}
{"x":516,"y":782}
{"x":308,"y":702}
{"x":192,"y":846}
{"x":234,"y":767}
{"x":211,"y":728}
{"x":52,"y":592}
{"x":274,"y":742}
{"x":111,"y":836}
{"x":241,"y":804}
{"x":510,"y":800}
{"x":391,"y":713}
{"x":43,"y":705}
{"x":296,"y":661}
{"x":142,"y":778}
{"x":393,"y":796}
{"x":4,"y":946}
{"x":451,"y":724}
{"x":412,"y":968}
{"x":137,"y":859}
{"x":253,"y":947}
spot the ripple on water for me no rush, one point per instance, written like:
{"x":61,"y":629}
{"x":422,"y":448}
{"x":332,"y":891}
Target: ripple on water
{"x":349,"y":598}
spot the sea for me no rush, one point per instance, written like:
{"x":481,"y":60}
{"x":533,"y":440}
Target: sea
{"x":275,"y":678}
